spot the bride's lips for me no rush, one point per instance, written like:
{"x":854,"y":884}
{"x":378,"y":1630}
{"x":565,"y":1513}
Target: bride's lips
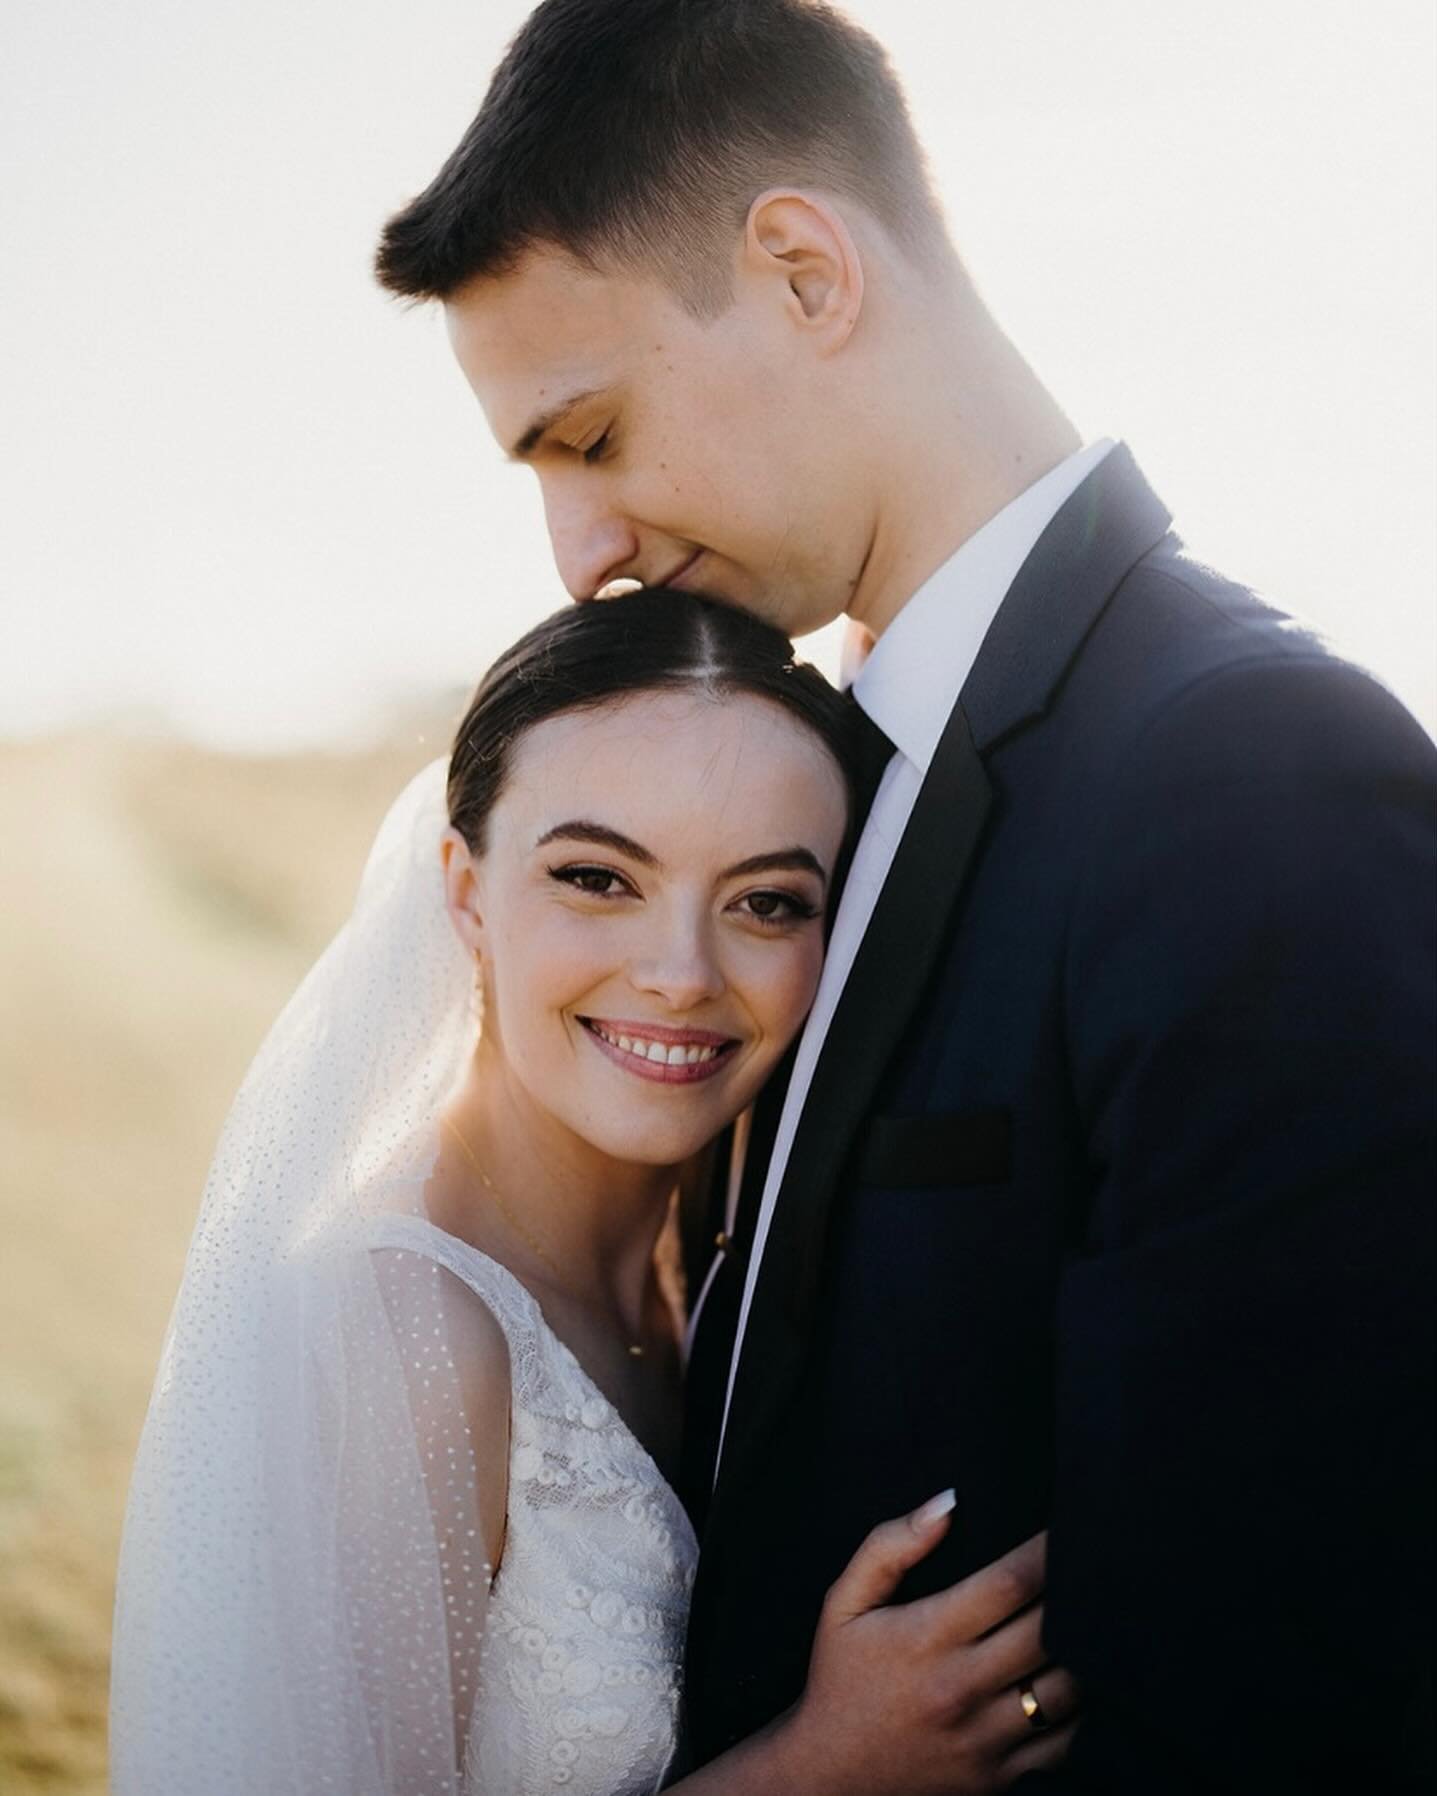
{"x":688,"y":1055}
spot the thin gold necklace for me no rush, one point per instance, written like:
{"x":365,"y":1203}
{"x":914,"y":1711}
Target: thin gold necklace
{"x":636,"y":1349}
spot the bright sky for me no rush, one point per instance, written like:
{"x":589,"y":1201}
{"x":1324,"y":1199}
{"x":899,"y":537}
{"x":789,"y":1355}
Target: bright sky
{"x":243,"y":487}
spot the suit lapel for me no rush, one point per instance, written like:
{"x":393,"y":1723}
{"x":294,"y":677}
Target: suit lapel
{"x":1061,"y":590}
{"x":887,"y":978}
{"x":706,"y":1376}
{"x":1105,"y":527}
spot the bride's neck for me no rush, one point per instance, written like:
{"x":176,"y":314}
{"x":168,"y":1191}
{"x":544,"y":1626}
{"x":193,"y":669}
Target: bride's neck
{"x":586,"y":1223}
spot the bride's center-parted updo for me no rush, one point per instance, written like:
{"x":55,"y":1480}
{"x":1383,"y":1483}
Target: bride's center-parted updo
{"x":391,"y":1529}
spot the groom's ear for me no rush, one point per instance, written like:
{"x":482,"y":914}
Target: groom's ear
{"x":800,"y":241}
{"x":461,"y":889}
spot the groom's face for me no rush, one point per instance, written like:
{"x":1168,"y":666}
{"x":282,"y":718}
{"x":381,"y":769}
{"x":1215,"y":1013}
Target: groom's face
{"x":672,"y":450}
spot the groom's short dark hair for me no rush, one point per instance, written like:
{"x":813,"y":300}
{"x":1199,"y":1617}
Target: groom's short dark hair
{"x":638,"y":132}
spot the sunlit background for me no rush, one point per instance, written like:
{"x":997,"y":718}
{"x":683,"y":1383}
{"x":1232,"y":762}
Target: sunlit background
{"x":246,"y":491}
{"x":247,"y":504}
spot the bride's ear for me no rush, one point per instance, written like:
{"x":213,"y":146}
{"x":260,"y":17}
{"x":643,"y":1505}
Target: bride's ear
{"x":461,"y":889}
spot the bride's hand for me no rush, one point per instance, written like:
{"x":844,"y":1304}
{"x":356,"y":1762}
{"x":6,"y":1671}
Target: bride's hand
{"x":928,"y":1696}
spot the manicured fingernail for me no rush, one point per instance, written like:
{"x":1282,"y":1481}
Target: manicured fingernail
{"x":935,"y":1508}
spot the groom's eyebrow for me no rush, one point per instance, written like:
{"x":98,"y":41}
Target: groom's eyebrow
{"x":540,"y":426}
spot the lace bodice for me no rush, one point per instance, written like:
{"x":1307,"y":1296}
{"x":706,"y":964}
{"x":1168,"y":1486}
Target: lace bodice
{"x":578,"y":1673}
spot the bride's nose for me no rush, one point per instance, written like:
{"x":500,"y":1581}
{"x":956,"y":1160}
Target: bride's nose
{"x":679,"y":964}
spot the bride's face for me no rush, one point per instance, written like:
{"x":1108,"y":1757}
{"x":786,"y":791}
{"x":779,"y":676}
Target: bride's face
{"x":649,"y":913}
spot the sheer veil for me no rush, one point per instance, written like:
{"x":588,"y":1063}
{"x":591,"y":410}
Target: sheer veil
{"x":301,"y":1591}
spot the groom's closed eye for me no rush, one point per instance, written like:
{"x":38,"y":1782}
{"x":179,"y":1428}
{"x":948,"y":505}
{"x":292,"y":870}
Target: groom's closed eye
{"x":549,"y":420}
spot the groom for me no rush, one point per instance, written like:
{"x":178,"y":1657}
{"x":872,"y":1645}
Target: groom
{"x":1102,"y":1187}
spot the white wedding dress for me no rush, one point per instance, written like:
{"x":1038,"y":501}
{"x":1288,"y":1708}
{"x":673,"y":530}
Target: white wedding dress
{"x":583,"y":1636}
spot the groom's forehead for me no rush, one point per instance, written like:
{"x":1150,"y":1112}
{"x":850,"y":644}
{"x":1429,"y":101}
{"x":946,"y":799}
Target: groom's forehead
{"x":548,"y":312}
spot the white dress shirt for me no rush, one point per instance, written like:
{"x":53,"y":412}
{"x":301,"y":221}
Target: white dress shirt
{"x":908,"y":686}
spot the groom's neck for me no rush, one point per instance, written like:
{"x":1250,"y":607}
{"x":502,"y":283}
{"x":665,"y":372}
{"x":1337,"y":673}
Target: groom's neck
{"x":971,"y":427}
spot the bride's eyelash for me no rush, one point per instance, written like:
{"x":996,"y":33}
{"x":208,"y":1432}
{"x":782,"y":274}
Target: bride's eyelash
{"x":795,"y":909}
{"x":576,"y":872}
{"x":595,"y":451}
{"x":791,"y":908}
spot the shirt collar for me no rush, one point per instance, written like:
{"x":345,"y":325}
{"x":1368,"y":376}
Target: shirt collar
{"x":911,"y":681}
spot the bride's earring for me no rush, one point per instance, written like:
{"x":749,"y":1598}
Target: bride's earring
{"x":479,"y":993}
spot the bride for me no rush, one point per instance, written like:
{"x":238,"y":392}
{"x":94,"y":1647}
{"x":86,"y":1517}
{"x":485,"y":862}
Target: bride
{"x":401,"y":1521}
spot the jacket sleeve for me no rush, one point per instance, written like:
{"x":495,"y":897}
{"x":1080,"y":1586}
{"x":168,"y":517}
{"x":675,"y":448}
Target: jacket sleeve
{"x":1241,"y":1544}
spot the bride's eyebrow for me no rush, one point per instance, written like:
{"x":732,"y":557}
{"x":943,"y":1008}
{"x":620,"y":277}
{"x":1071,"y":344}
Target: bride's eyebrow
{"x":599,"y":835}
{"x":782,"y":860}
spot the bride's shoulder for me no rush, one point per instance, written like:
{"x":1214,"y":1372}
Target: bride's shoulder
{"x":438,"y":1289}
{"x":411,"y":1247}
{"x":458,"y":1373}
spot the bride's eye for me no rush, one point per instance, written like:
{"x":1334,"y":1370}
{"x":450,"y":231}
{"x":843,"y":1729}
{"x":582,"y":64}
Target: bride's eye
{"x":774,"y":908}
{"x":596,"y":882}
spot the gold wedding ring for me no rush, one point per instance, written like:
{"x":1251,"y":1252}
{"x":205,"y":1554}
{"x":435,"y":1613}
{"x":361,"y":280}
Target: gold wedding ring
{"x":1032,"y":1708}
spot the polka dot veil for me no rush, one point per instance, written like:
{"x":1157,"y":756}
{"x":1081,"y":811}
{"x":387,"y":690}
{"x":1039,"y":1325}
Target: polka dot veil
{"x":301,"y":1594}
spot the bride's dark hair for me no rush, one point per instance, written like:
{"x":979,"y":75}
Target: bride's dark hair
{"x":650,"y":641}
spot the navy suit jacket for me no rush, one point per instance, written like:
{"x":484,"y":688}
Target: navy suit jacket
{"x":1112,"y":1200}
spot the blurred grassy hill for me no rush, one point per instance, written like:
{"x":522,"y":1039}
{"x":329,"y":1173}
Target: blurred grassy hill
{"x":158,"y":903}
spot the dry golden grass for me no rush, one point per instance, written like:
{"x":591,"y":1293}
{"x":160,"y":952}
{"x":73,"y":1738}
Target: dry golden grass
{"x":157,"y":905}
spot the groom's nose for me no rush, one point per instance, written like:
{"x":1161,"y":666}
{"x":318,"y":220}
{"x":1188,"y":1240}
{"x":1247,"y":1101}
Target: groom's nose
{"x":592,"y":543}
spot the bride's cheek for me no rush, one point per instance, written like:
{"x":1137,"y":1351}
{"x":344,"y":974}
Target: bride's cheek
{"x":794,"y":986}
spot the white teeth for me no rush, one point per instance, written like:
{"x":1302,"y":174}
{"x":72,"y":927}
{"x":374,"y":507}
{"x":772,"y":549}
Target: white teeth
{"x":657,"y":1051}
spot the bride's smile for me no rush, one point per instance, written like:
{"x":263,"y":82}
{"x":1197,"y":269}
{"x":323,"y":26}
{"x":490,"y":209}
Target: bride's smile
{"x":668,"y":1056}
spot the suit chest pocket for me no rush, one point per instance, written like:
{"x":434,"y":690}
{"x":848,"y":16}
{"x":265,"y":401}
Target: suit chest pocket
{"x":949,"y":1149}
